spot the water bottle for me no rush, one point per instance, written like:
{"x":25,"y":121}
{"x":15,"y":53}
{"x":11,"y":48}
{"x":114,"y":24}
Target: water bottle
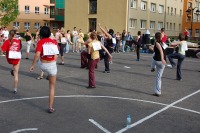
{"x":128,"y":121}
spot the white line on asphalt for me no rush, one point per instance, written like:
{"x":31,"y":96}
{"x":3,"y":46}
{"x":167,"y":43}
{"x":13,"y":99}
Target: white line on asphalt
{"x":22,"y":130}
{"x":157,"y":112}
{"x":99,"y":126}
{"x":109,"y":97}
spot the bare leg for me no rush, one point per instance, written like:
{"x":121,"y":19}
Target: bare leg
{"x":52,"y":83}
{"x":16,"y":71}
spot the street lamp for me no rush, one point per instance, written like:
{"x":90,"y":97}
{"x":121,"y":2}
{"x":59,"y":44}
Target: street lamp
{"x":189,"y":13}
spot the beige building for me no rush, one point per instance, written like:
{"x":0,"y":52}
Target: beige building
{"x":32,"y":15}
{"x":132,"y":15}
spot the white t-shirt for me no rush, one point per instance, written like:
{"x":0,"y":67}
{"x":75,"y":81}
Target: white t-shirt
{"x":5,"y":34}
{"x":74,"y":33}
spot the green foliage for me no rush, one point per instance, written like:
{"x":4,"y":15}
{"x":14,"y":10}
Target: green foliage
{"x":8,"y":11}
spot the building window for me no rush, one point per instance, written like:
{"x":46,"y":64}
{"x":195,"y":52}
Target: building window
{"x":161,"y":9}
{"x":144,"y":5}
{"x":46,"y":10}
{"x":179,"y":27}
{"x":167,"y":26}
{"x":37,"y":10}
{"x":171,"y":10}
{"x":174,"y":26}
{"x":27,"y":9}
{"x":133,"y":3}
{"x":180,"y":12}
{"x":55,"y":26}
{"x":153,"y":7}
{"x":92,"y":23}
{"x":37,"y":25}
{"x":152,"y":24}
{"x":143,"y":24}
{"x":16,"y":25}
{"x":133,"y":23}
{"x":46,"y":24}
{"x":26,"y":25}
{"x":167,"y":10}
{"x":170,"y":26}
{"x":197,"y":33}
{"x":60,"y":12}
{"x":189,"y":5}
{"x":174,"y":11}
{"x":93,"y":6}
{"x":52,"y":12}
{"x":160,"y":25}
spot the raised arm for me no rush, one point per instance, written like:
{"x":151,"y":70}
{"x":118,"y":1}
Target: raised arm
{"x":104,"y":31}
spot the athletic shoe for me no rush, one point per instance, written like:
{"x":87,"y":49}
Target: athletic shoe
{"x":51,"y":110}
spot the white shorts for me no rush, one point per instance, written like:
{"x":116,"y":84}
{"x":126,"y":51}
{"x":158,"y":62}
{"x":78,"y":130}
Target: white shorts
{"x":50,"y":68}
{"x":28,"y":46}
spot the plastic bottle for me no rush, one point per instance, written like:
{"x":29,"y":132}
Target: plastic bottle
{"x":128,"y":121}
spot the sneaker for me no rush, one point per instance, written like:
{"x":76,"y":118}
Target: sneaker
{"x":106,"y":71}
{"x":2,"y":55}
{"x":15,"y":91}
{"x":12,"y":72}
{"x":157,"y":95}
{"x":152,"y":69}
{"x":51,"y":110}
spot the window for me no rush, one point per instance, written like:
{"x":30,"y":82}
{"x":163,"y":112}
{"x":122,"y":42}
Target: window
{"x":167,"y":26}
{"x":180,"y":12}
{"x":197,"y":33}
{"x":133,"y":23}
{"x":153,"y":7}
{"x":174,"y":11}
{"x":170,"y":26}
{"x":16,"y":25}
{"x":144,"y":5}
{"x":160,"y":25}
{"x":55,"y":26}
{"x":133,"y":3}
{"x":152,"y":24}
{"x":171,"y":10}
{"x":174,"y":26}
{"x":160,"y":8}
{"x":93,"y":6}
{"x":52,"y":11}
{"x":26,"y":25}
{"x":167,"y":10}
{"x":27,"y":9}
{"x":92,"y":23}
{"x":179,"y":27}
{"x":37,"y":25}
{"x":143,"y":24}
{"x":60,"y":12}
{"x":46,"y":10}
{"x":37,"y":10}
{"x":189,"y":5}
{"x":46,"y":24}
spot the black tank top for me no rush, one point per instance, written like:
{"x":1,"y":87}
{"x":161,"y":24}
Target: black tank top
{"x":157,"y":56}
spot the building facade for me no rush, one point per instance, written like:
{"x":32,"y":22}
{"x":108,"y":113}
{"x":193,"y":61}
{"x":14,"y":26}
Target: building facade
{"x":131,"y":15}
{"x":32,"y":15}
{"x":191,"y":18}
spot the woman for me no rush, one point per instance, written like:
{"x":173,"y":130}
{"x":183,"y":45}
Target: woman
{"x":68,"y":38}
{"x":109,"y":47}
{"x":47,"y":50}
{"x":93,"y":50}
{"x":12,"y":48}
{"x":29,"y":39}
{"x":62,"y":44}
{"x":118,"y":39}
{"x":160,"y":61}
{"x":179,"y":54}
{"x":138,"y":45}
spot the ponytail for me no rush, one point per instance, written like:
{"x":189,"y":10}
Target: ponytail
{"x":11,"y":36}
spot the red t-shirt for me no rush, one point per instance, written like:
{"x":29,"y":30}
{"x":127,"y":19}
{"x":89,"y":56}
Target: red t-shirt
{"x":164,"y":39}
{"x":186,"y":33}
{"x":14,"y":47}
{"x":45,"y":41}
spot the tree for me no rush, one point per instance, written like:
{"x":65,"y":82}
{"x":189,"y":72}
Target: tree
{"x":8,"y":11}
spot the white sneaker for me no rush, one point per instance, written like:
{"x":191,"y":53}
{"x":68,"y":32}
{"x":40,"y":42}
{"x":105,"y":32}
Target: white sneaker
{"x":169,"y":65}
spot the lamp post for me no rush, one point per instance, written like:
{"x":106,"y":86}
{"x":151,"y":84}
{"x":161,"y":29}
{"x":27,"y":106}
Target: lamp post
{"x":190,"y":12}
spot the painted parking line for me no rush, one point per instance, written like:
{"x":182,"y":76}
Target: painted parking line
{"x":99,"y":126}
{"x":23,"y":130}
{"x":157,"y":112}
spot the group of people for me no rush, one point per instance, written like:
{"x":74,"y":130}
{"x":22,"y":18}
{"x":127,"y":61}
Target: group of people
{"x":95,"y":48}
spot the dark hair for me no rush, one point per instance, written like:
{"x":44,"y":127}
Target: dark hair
{"x":139,"y":33}
{"x":158,"y":36}
{"x":91,"y":30}
{"x":68,"y":31}
{"x":111,"y":31}
{"x":11,"y":36}
{"x":162,"y":29}
{"x":93,"y":35}
{"x":45,"y":32}
{"x":181,"y":37}
{"x":74,"y":28}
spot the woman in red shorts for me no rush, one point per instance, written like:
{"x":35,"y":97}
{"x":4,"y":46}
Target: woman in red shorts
{"x":46,"y":52}
{"x":12,"y":48}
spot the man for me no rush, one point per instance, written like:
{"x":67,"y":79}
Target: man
{"x":123,"y":40}
{"x":129,"y":39}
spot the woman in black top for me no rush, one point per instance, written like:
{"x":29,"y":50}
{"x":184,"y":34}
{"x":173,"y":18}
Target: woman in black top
{"x":160,"y":61}
{"x":29,"y":39}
